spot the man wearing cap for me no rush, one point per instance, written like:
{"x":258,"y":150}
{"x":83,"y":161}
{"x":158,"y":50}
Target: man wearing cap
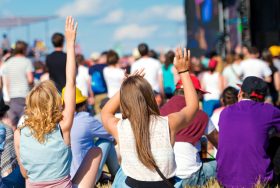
{"x":189,"y":166}
{"x":84,"y":130}
{"x":243,"y":137}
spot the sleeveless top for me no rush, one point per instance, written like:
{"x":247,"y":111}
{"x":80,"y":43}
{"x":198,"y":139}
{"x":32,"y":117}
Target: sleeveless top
{"x":160,"y":146}
{"x":45,"y":162}
{"x":168,"y":79}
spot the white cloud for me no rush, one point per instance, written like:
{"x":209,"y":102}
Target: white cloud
{"x":134,"y":31}
{"x":174,"y":13}
{"x":81,"y":8}
{"x":113,"y":17}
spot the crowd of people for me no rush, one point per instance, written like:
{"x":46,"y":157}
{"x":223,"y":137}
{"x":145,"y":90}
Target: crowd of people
{"x":168,"y":120}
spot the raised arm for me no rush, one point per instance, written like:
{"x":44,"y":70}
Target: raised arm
{"x":180,"y":119}
{"x":70,"y":87}
{"x":108,"y":115}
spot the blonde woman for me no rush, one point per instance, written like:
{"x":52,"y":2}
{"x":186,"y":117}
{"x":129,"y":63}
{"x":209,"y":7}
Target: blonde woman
{"x":145,"y":138}
{"x":43,"y":142}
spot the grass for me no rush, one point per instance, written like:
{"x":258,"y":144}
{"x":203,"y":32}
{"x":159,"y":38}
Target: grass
{"x":210,"y":184}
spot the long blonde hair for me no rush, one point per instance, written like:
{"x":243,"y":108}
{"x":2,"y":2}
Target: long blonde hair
{"x":138,"y":105}
{"x":43,"y":110}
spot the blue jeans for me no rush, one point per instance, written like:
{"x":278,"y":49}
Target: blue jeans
{"x":205,"y":173}
{"x":109,"y":156}
{"x":120,"y":178}
{"x":14,"y":180}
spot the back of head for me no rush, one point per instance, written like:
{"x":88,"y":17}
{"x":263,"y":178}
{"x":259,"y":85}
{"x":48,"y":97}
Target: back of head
{"x":253,"y":51}
{"x":254,"y":88}
{"x":112,"y":57}
{"x":229,"y":96}
{"x":138,"y":105}
{"x":169,"y":57}
{"x":58,"y":40}
{"x":20,"y":48}
{"x":267,"y":57}
{"x":80,"y":60}
{"x":143,"y":49}
{"x":43,"y":110}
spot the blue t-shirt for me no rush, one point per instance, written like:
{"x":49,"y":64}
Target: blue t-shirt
{"x":98,"y":84}
{"x":243,"y":141}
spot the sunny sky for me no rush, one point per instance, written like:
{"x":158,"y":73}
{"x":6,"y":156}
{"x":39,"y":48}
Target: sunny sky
{"x":103,"y":24}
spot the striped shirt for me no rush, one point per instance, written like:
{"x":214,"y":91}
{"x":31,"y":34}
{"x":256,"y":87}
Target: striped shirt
{"x":8,"y":157}
{"x":15,"y":70}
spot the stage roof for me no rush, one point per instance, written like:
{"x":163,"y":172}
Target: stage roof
{"x":20,"y":21}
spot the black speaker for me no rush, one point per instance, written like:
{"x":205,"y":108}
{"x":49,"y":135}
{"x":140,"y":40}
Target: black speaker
{"x":264,"y":23}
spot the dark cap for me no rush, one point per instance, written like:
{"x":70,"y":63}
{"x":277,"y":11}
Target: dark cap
{"x":255,"y":87}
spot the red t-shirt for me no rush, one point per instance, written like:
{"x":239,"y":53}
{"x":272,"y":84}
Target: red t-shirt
{"x":196,"y":127}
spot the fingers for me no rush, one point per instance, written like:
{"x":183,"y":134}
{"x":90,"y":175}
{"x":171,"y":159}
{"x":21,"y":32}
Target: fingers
{"x":189,"y":55}
{"x":185,"y":54}
{"x":69,"y":24}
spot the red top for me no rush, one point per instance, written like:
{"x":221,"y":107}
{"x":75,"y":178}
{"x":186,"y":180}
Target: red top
{"x":196,"y":127}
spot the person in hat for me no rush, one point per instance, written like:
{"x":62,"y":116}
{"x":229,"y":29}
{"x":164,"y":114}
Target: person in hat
{"x":84,"y":131}
{"x":190,"y":168}
{"x":243,"y":137}
{"x":10,"y":171}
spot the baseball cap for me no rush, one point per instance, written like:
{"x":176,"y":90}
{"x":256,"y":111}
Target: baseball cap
{"x":196,"y":84}
{"x":254,"y":86}
{"x":79,"y":96}
{"x":275,"y":50}
{"x":212,"y":64}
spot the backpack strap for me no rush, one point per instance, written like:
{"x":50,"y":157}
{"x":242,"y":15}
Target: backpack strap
{"x":164,"y":178}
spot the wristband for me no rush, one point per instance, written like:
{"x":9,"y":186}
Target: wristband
{"x":187,"y":70}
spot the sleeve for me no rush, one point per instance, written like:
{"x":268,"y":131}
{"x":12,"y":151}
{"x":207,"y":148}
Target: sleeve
{"x":209,"y":128}
{"x":2,"y":138}
{"x":97,"y":130}
{"x":266,"y":70}
{"x":29,"y":67}
{"x":3,"y":70}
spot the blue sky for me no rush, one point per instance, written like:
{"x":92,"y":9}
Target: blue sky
{"x":103,"y":24}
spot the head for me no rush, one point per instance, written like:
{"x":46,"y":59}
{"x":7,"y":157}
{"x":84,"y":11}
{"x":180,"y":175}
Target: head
{"x":153,"y":54}
{"x":229,"y":96}
{"x":4,"y":36}
{"x":112,"y":57}
{"x":20,"y":48}
{"x":81,"y":101}
{"x":80,"y":60}
{"x":58,"y":40}
{"x":212,"y":65}
{"x":196,"y":83}
{"x":267,"y":57}
{"x":253,"y":52}
{"x":43,"y":110}
{"x":103,"y":58}
{"x":253,"y":88}
{"x":169,"y":57}
{"x":39,"y":65}
{"x":138,"y":104}
{"x":3,"y":108}
{"x":143,"y":49}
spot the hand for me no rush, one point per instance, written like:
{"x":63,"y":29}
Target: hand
{"x":70,"y":30}
{"x":182,"y":62}
{"x":139,"y":72}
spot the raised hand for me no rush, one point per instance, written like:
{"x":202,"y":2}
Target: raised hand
{"x":70,"y":30}
{"x":182,"y":61}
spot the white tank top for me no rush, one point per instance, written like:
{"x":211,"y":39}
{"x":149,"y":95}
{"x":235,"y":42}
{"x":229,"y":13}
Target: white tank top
{"x":160,"y":146}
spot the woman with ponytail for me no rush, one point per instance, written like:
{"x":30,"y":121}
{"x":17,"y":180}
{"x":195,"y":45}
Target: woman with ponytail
{"x":144,"y":137}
